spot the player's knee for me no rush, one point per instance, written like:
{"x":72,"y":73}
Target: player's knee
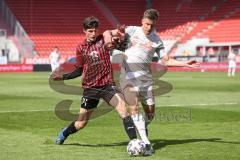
{"x":120,"y":104}
{"x":134,"y":109}
{"x":80,"y":124}
{"x":121,"y":108}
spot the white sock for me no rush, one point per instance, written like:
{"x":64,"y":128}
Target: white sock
{"x":139,"y":122}
{"x":229,"y":72}
{"x":233,"y":72}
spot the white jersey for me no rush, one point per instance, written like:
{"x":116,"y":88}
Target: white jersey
{"x":54,"y":60}
{"x":142,"y":47}
{"x":54,"y":57}
{"x":140,"y":51}
{"x":231,"y":60}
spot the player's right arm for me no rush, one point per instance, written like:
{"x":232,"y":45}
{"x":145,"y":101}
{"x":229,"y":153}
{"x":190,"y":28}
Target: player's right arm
{"x":114,"y":37}
{"x":71,"y":75}
{"x":58,"y":75}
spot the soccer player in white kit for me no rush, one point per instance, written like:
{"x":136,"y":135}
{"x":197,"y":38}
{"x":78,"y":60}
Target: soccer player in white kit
{"x":54,"y":58}
{"x":231,"y":64}
{"x":136,"y":79}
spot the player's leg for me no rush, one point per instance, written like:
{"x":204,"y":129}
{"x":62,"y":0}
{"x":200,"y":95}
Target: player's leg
{"x":149,"y":113}
{"x":131,"y":97}
{"x":52,"y":67}
{"x":233,"y":71}
{"x":146,"y":97}
{"x":75,"y":126}
{"x":229,"y":71}
{"x":113,"y":97}
{"x":117,"y":101}
{"x":88,"y":105}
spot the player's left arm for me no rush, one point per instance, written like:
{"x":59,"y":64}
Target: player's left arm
{"x":170,"y":62}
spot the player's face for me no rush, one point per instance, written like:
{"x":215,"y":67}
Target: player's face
{"x":148,"y":25}
{"x":91,"y":34}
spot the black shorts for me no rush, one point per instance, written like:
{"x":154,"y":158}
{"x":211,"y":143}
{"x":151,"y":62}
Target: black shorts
{"x":92,"y":95}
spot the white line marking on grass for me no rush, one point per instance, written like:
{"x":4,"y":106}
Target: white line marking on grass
{"x":198,"y":104}
{"x":22,"y":111}
{"x":172,"y":105}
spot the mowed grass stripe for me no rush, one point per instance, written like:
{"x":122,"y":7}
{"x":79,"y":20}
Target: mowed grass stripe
{"x":199,"y":119}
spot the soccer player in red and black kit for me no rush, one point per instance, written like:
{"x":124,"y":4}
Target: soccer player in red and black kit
{"x":93,"y":61}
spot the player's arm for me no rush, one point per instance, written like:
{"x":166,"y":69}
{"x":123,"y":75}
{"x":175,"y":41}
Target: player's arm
{"x":74,"y":74}
{"x":170,"y":62}
{"x":57,"y":76}
{"x":114,"y":37}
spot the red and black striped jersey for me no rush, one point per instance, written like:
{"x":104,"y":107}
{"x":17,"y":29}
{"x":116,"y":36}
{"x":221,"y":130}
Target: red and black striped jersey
{"x":95,"y":60}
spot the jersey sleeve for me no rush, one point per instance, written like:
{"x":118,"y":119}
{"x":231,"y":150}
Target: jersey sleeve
{"x":161,"y":53}
{"x":160,"y":50}
{"x":130,"y":30}
{"x":79,"y":57}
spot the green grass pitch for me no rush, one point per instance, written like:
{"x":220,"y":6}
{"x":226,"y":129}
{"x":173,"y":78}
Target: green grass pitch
{"x":198,"y":120}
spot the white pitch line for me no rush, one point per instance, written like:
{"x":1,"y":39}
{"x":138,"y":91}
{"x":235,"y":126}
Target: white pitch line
{"x":172,"y":105}
{"x":23,"y":111}
{"x":20,"y":111}
{"x":198,"y":104}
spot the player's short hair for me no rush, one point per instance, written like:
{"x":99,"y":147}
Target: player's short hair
{"x":90,"y":22}
{"x":151,"y":14}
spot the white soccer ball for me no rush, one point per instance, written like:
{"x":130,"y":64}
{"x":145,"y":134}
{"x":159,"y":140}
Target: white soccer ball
{"x":136,"y":147}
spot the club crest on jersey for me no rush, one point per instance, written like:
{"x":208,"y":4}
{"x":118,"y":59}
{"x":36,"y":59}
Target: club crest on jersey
{"x":94,"y":55}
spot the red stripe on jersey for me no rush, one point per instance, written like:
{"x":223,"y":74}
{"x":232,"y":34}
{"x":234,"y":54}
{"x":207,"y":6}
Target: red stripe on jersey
{"x":95,"y":60}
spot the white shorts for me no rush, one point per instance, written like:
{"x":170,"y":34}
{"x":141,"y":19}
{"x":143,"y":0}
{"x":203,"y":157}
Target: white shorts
{"x":232,"y":64}
{"x":146,"y":95}
{"x":144,"y":88}
{"x":54,"y":66}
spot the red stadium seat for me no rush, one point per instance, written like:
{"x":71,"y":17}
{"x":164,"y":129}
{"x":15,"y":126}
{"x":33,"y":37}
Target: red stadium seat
{"x":55,"y":23}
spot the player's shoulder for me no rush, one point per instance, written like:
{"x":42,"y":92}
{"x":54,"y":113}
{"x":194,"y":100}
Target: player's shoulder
{"x":81,"y":43}
{"x":156,"y":38}
{"x":132,"y":29}
{"x":80,"y":46}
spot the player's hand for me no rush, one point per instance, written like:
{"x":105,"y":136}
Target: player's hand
{"x":56,"y":76}
{"x":118,"y":36}
{"x":121,"y":32}
{"x":114,"y":37}
{"x":111,"y":42}
{"x":108,"y":40}
{"x":192,"y":64}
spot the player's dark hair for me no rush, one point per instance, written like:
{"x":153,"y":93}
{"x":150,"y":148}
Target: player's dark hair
{"x":151,"y":14}
{"x":90,"y":22}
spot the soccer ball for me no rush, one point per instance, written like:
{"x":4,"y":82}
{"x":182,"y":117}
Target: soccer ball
{"x":136,"y":147}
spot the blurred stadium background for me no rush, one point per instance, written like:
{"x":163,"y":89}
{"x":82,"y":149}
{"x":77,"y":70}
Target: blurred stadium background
{"x":203,"y":30}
